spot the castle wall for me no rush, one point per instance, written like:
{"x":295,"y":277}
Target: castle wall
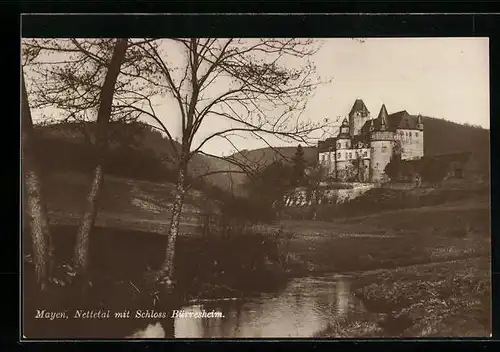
{"x":327,"y":160}
{"x":344,"y":159}
{"x":343,"y":143}
{"x":381,"y":152}
{"x":412,"y":143}
{"x":298,"y":197}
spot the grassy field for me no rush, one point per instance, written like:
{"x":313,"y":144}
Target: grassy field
{"x":124,"y":204}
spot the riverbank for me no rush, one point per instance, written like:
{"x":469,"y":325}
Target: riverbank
{"x":449,"y":299}
{"x":422,"y":272}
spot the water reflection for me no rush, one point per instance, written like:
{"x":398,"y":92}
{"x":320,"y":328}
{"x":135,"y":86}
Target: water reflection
{"x":306,"y":306}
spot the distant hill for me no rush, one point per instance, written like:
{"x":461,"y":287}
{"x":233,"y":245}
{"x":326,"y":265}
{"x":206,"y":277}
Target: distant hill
{"x":149,"y":157}
{"x":136,"y":151}
{"x":443,"y":137}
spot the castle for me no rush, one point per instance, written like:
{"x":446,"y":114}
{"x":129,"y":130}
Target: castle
{"x":364,"y":146}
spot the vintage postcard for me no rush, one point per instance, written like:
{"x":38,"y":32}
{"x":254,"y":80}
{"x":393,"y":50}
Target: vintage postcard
{"x":255,"y":188}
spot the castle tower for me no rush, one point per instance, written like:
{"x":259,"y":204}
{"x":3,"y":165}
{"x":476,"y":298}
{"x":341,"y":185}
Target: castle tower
{"x":381,"y":144}
{"x":343,"y":146}
{"x":358,"y":116}
{"x":420,"y":123}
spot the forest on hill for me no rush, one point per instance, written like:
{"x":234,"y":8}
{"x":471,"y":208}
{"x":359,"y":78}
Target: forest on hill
{"x":138,"y":151}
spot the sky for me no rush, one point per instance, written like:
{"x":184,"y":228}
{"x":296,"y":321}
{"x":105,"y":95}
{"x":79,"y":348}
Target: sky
{"x":439,"y":77}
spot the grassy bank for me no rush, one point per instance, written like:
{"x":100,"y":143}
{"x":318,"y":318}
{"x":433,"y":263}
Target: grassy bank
{"x":423,"y":272}
{"x":451,"y":299}
{"x":394,"y":238}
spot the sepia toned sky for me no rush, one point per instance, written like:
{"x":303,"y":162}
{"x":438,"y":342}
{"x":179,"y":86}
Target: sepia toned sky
{"x":438,"y":77}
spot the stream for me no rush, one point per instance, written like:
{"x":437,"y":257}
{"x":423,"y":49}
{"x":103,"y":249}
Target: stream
{"x":305,"y":307}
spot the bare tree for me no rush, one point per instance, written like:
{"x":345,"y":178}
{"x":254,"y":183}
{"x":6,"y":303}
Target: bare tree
{"x":68,"y":77}
{"x":314,"y":177}
{"x":243,"y":86}
{"x":103,"y":118}
{"x":35,"y":209}
{"x":81,"y":82}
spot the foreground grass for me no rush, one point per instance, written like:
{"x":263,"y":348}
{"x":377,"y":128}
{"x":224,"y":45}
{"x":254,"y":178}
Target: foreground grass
{"x":393,"y":239}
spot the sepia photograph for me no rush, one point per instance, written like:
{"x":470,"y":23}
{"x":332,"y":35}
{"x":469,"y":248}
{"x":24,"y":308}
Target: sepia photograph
{"x":232,"y":188}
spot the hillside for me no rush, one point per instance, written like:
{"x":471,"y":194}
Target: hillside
{"x":149,"y":156}
{"x":124,"y":203}
{"x":136,"y":152}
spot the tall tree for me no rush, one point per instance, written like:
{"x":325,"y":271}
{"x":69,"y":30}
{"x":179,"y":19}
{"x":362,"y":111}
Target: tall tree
{"x":315,"y":193}
{"x":393,"y":169}
{"x":79,"y":78}
{"x":231,"y":88}
{"x":101,"y":143}
{"x":268,"y":187}
{"x":358,"y":168}
{"x":35,"y":210}
{"x":299,"y":167}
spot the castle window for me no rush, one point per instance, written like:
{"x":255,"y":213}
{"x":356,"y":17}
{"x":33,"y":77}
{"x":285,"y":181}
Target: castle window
{"x":346,"y":144}
{"x":365,"y":153}
{"x":416,"y":134}
{"x":384,"y":149}
{"x":338,"y":155}
{"x":339,"y":146}
{"x":350,"y":155}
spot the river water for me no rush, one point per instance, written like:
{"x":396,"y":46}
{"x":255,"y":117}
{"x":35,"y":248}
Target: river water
{"x":305,"y":307}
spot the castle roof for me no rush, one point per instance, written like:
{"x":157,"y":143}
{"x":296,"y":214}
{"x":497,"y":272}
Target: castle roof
{"x":383,"y":123}
{"x":344,"y":130}
{"x":397,"y":120}
{"x":359,"y":106}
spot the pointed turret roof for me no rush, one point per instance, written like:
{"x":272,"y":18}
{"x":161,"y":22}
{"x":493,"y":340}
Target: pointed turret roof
{"x":360,"y":106}
{"x":383,"y":118}
{"x":344,"y":129}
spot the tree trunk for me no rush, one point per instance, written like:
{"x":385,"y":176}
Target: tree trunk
{"x":34,"y":210}
{"x":103,"y":117}
{"x":166,"y":271}
{"x":88,"y":219}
